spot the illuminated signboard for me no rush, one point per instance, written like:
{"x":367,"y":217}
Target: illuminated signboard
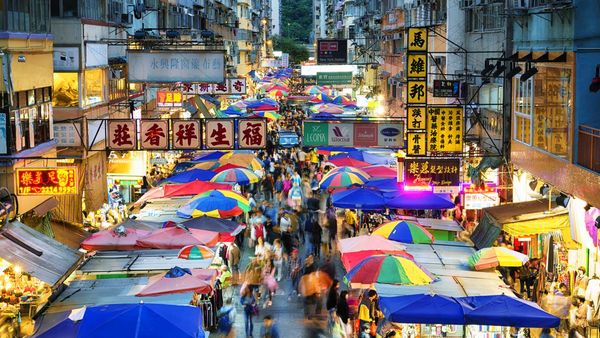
{"x":168,"y":99}
{"x":47,"y":181}
{"x":480,"y":197}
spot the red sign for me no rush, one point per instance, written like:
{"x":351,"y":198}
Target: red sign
{"x":47,"y":181}
{"x":154,"y":134}
{"x":121,"y":135}
{"x":219,"y":134}
{"x":365,"y":135}
{"x":186,"y":134}
{"x":168,"y":99}
{"x":252,"y":133}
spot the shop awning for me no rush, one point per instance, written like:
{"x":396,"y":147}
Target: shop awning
{"x":38,"y":255}
{"x":522,"y":219}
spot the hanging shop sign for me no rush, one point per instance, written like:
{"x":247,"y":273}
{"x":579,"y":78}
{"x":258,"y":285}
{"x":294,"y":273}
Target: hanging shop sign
{"x":166,"y":98}
{"x":46,"y":181}
{"x":417,"y":92}
{"x":334,"y":78}
{"x":332,"y":52}
{"x":121,"y":135}
{"x":219,"y":134}
{"x":252,"y":134}
{"x":480,"y":197}
{"x":416,"y":143}
{"x":445,"y":129}
{"x":417,"y":40}
{"x":446,"y":88}
{"x":176,"y":66}
{"x":416,"y":118}
{"x":417,"y":65}
{"x":432,"y":172}
{"x":186,"y":134}
{"x":154,"y":134}
{"x":67,"y":134}
{"x":236,"y":86}
{"x":353,"y":134}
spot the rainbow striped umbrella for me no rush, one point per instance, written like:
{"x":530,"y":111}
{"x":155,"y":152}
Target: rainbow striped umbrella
{"x":404,"y":232}
{"x":348,"y":169}
{"x":271,"y":115}
{"x":312,"y":90}
{"x":215,"y":203}
{"x":278,"y":93}
{"x":195,"y":252}
{"x":488,"y":258}
{"x":241,"y":176}
{"x":389,"y":269}
{"x":341,"y":179}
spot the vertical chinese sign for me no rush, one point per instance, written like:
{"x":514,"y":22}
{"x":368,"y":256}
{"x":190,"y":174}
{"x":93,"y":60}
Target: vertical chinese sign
{"x":121,"y":135}
{"x":416,"y":95}
{"x":154,"y":134}
{"x":186,"y":134}
{"x":445,"y":129}
{"x":219,"y":134}
{"x":252,"y":134}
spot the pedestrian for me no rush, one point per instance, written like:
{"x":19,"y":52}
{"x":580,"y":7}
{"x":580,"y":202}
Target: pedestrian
{"x":278,"y":258}
{"x":332,"y":227}
{"x":233,"y":257}
{"x":279,"y":188}
{"x":351,"y":220}
{"x":317,"y":232}
{"x":250,"y":310}
{"x":343,"y":311}
{"x":331,"y":303}
{"x":367,"y":312}
{"x":269,"y":329}
{"x":267,"y":187}
{"x":546,"y":334}
{"x":294,"y":269}
{"x":226,"y":315}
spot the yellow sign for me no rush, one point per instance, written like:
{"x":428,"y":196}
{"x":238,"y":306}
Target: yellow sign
{"x":417,"y":92}
{"x":417,"y":66}
{"x":445,"y":129}
{"x":417,"y":39}
{"x":416,"y":118}
{"x":416,"y":144}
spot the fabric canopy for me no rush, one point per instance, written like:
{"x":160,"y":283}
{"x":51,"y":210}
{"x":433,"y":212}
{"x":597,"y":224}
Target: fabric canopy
{"x":114,"y":240}
{"x":176,"y":238}
{"x":506,"y":311}
{"x":176,"y":280}
{"x":423,"y":309}
{"x":417,"y":200}
{"x":362,"y":243}
{"x":359,"y":198}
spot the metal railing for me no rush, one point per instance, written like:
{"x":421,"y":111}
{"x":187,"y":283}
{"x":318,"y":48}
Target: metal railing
{"x":588,"y":147}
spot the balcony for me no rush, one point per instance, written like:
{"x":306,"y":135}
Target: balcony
{"x":588,"y":148}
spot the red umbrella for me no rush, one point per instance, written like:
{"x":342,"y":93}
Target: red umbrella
{"x":227,"y":166}
{"x":348,"y":162}
{"x":178,"y":237}
{"x":380,"y":171}
{"x":119,"y":238}
{"x":186,"y":189}
{"x":176,"y":280}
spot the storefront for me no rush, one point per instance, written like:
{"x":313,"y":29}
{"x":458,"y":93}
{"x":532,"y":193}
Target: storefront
{"x":125,"y":174}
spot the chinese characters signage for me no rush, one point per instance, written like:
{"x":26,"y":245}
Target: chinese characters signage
{"x":235,"y":86}
{"x":186,"y":134}
{"x":219,"y":134}
{"x":47,"y":181}
{"x":446,"y":88}
{"x":121,"y":135}
{"x":67,"y":134}
{"x":332,"y":52}
{"x":480,"y":197}
{"x":417,"y":92}
{"x":416,"y":144}
{"x":353,"y":133}
{"x":168,"y":98}
{"x":445,"y":129}
{"x":154,"y":134}
{"x":417,"y":66}
{"x":416,"y":118}
{"x":252,"y":134}
{"x":432,"y":172}
{"x":334,"y":78}
{"x":176,"y":66}
{"x":417,"y":40}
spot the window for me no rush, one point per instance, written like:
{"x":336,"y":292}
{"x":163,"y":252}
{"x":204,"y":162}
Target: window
{"x":41,"y":123}
{"x":94,"y":86}
{"x":25,"y":16}
{"x":485,"y":19}
{"x":523,"y":109}
{"x":398,"y":46}
{"x":66,"y":90}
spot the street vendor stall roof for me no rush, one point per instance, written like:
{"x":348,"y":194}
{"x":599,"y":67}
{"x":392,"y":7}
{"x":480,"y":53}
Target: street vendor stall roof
{"x":138,"y":261}
{"x":38,"y":254}
{"x":110,"y":291}
{"x":522,"y":219}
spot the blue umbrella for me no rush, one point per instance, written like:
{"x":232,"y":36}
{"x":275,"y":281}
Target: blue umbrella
{"x":212,"y":224}
{"x":365,"y":157}
{"x":232,"y":110}
{"x":416,"y":200}
{"x":141,"y":320}
{"x":183,"y":166}
{"x":324,"y":116}
{"x":422,"y":308}
{"x":504,"y":310}
{"x":212,"y":156}
{"x":359,"y":198}
{"x":189,"y":176}
{"x":384,"y":185}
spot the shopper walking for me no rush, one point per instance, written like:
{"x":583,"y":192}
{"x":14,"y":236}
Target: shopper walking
{"x":250,"y":309}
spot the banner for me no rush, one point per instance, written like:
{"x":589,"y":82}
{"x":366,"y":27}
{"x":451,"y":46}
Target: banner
{"x":446,"y":88}
{"x":332,"y":52}
{"x":445,"y":129}
{"x":353,"y":134}
{"x":46,"y":181}
{"x":176,"y":66}
{"x":334,"y":78}
{"x":165,"y":98}
{"x":432,"y":172}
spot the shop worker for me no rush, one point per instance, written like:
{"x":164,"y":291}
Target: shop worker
{"x":367,"y":311}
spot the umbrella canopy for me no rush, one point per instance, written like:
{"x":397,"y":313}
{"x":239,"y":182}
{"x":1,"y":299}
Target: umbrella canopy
{"x":275,"y":87}
{"x":330,"y":108}
{"x":404,"y":232}
{"x":233,"y":110}
{"x":417,"y":200}
{"x":195,"y":252}
{"x":119,"y":238}
{"x":240,"y":104}
{"x":312,"y":90}
{"x":365,"y":156}
{"x":183,"y":166}
{"x":385,"y":185}
{"x":423,"y":308}
{"x":362,"y":243}
{"x":215,"y":203}
{"x":503,"y":310}
{"x":339,"y":179}
{"x":389,"y":269}
{"x":176,"y":280}
{"x":381,"y":171}
{"x":488,"y":258}
{"x":323,"y":116}
{"x":270,"y":115}
{"x":348,"y":162}
{"x":141,"y":320}
{"x":213,"y":224}
{"x":244,"y":160}
{"x":262,"y":105}
{"x":330,"y":150}
{"x":139,"y":225}
{"x":178,"y":237}
{"x":184,"y":189}
{"x":226,"y":167}
{"x":210,"y":156}
{"x":278,"y":93}
{"x":359,"y":198}
{"x":348,"y":170}
{"x":350,"y":259}
{"x":237,"y":175}
{"x":189,"y":176}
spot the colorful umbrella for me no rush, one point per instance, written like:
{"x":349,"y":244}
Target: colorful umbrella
{"x":120,"y":238}
{"x":215,"y":203}
{"x":404,"y":232}
{"x":348,"y":170}
{"x":280,"y":87}
{"x":178,"y":237}
{"x":209,"y":156}
{"x":488,"y":258}
{"x":271,"y":115}
{"x":195,"y":252}
{"x":381,"y":171}
{"x":214,"y":224}
{"x":389,"y":269}
{"x":350,"y":259}
{"x":340,"y":179}
{"x":279,"y":93}
{"x":312,"y":90}
{"x":233,"y":110}
{"x":349,"y":162}
{"x":364,"y":242}
{"x":189,"y":176}
{"x":176,"y":280}
{"x":224,"y":167}
{"x":359,"y":198}
{"x":245,"y":160}
{"x":237,"y":175}
{"x":331,"y":109}
{"x":417,"y":200}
